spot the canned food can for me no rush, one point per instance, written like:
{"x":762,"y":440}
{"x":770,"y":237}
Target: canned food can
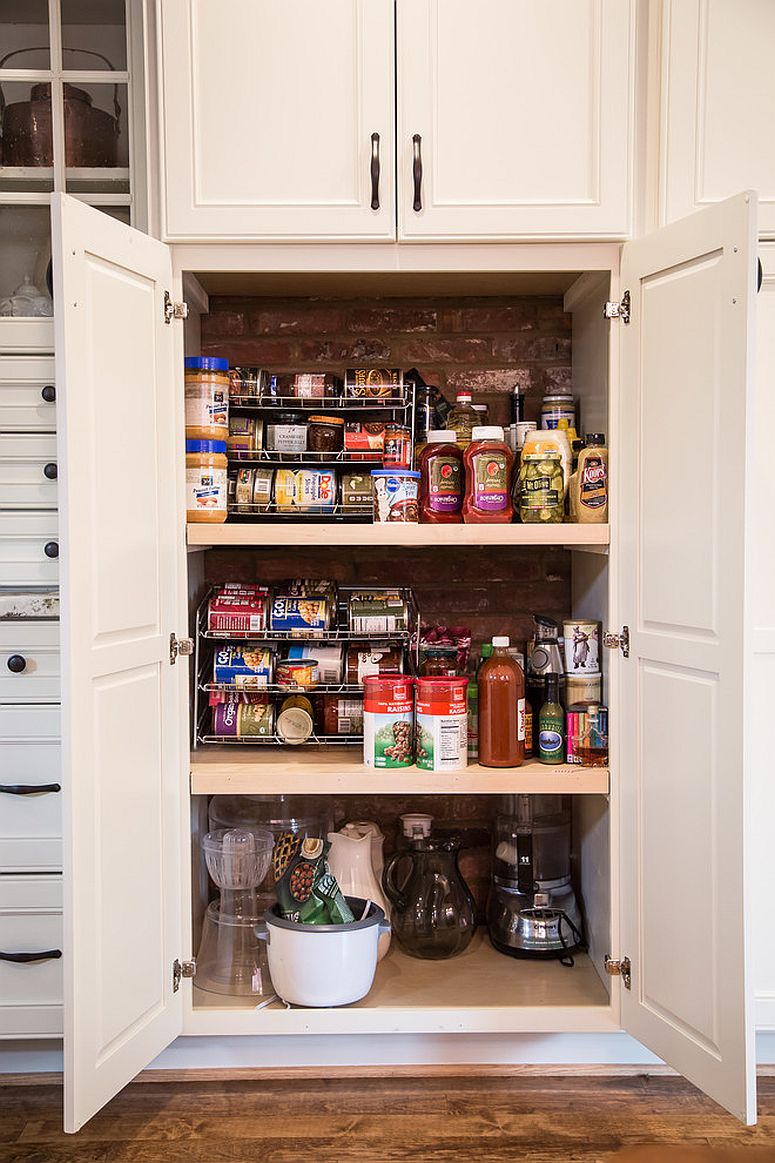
{"x":388,"y":721}
{"x":582,"y":646}
{"x":240,"y":610}
{"x":329,"y":660}
{"x":244,"y":665}
{"x":304,"y":489}
{"x":377,"y":612}
{"x":373,"y":382}
{"x":583,"y":688}
{"x":297,"y":672}
{"x":243,"y":490}
{"x":238,"y":720}
{"x":587,"y":734}
{"x":441,"y":738}
{"x":291,"y":614}
{"x":373,"y":659}
{"x":342,"y":715}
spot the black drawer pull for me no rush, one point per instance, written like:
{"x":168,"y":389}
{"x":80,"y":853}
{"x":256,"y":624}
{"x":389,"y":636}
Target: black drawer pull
{"x":49,"y":393}
{"x":24,"y":958}
{"x":17,"y":664}
{"x":28,"y":789}
{"x":50,"y":471}
{"x":51,"y":549}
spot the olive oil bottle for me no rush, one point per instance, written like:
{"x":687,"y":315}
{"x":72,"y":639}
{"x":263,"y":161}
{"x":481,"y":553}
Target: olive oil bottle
{"x":551,"y":724}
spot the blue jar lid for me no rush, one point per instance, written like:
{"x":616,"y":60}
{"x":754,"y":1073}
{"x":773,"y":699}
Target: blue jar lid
{"x":206,"y":446}
{"x":202,"y":363}
{"x":395,"y":472}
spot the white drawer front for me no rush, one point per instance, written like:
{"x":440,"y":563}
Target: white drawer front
{"x":25,"y":382}
{"x":23,"y":541}
{"x":28,"y":467}
{"x":30,"y":922}
{"x":36,"y":646}
{"x":30,"y":756}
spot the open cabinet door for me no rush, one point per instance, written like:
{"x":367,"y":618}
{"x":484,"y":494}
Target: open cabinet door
{"x":686,"y":359}
{"x":121,"y":707}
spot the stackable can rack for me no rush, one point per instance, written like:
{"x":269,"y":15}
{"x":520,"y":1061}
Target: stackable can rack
{"x":399,"y":408}
{"x":207,"y":640}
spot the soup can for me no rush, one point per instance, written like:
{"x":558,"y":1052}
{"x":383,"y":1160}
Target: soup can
{"x":388,"y":720}
{"x":297,"y":672}
{"x":441,"y":735}
{"x":395,"y":494}
{"x":582,"y":646}
{"x":583,"y":688}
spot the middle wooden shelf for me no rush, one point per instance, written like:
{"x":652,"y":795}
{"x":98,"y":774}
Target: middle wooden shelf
{"x":338,"y":771}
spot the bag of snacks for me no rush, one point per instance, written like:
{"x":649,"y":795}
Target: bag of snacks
{"x":457,"y":636}
{"x":307,"y":890}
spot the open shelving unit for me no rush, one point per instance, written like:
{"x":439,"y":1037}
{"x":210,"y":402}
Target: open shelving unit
{"x":595,"y":538}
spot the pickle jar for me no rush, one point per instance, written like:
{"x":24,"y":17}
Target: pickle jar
{"x":541,"y":488}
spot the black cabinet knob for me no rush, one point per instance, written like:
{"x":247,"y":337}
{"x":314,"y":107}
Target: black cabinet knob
{"x":51,"y":549}
{"x":16,"y":663}
{"x":50,"y":471}
{"x":49,"y":393}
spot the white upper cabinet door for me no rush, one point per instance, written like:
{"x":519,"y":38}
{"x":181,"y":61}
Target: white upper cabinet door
{"x":717,"y":105}
{"x":515,"y":119}
{"x":123,"y":773}
{"x":278,"y":119}
{"x":685,"y":538}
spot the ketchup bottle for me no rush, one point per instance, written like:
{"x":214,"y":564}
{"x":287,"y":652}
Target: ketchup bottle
{"x":501,"y":708}
{"x":441,"y":479}
{"x":488,"y":460}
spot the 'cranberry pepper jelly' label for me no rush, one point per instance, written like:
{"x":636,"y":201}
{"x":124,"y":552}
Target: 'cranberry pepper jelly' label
{"x":445,"y":485}
{"x":491,"y":481}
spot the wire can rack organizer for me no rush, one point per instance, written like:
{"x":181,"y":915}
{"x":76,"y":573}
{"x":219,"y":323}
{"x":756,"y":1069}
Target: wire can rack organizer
{"x":334,"y":403}
{"x":269,"y":511}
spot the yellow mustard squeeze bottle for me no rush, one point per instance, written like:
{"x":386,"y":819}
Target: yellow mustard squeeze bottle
{"x":588,"y":494}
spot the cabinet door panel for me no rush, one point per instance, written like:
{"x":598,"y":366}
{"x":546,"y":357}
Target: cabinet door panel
{"x":684,"y":593}
{"x":525,"y":117}
{"x":268,"y":116}
{"x":123,"y":772}
{"x":718,"y":105}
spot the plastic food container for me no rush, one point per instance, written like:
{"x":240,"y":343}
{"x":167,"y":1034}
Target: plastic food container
{"x":325,"y":434}
{"x":207,"y":398}
{"x":207,"y":483}
{"x":324,"y":965}
{"x":541,"y":488}
{"x":396,"y":495}
{"x":388,"y":720}
{"x":442,"y":724}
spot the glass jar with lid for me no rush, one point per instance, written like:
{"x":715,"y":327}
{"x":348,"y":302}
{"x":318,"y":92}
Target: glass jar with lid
{"x":557,"y":407}
{"x":541,"y":488}
{"x":325,"y":434}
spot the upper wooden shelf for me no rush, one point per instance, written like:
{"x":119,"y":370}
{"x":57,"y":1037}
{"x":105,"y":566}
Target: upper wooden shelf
{"x":266,"y":770}
{"x":295,"y":533}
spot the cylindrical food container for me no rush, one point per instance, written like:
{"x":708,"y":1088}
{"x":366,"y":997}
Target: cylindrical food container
{"x":557,"y":406}
{"x":207,"y":398}
{"x":245,"y":665}
{"x":395,"y":494}
{"x":587,"y":734}
{"x":325,"y":434}
{"x":416,"y":825}
{"x":324,"y":965}
{"x":582,"y":646}
{"x":329,"y":660}
{"x":376,"y":659}
{"x":295,"y":723}
{"x":583,"y":688}
{"x":286,"y":433}
{"x":397,"y":448}
{"x":241,"y":720}
{"x":342,"y":715}
{"x":522,"y":430}
{"x":297,"y":672}
{"x":207,"y":481}
{"x":388,"y":720}
{"x":441,"y":737}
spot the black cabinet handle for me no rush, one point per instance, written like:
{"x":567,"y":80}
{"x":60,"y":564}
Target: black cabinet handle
{"x":51,"y":549}
{"x":28,"y":789}
{"x":50,"y":471}
{"x":17,"y":663}
{"x":24,"y":958}
{"x":417,"y":171}
{"x":49,"y":393}
{"x":375,"y":167}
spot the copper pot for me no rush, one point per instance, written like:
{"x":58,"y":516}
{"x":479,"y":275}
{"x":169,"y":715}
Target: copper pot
{"x":91,"y":135}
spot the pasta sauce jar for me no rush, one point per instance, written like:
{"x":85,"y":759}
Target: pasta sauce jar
{"x":207,"y":398}
{"x":206,"y":480}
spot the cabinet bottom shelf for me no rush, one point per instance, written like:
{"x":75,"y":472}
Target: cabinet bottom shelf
{"x":480,"y":991}
{"x":337,"y":771}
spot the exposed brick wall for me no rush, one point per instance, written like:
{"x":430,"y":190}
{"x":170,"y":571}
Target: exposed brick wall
{"x":484,"y":344}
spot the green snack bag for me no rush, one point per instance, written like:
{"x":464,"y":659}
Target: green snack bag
{"x":307,"y":891}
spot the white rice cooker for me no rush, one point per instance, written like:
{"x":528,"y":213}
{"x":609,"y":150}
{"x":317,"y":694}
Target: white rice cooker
{"x":323,"y":965}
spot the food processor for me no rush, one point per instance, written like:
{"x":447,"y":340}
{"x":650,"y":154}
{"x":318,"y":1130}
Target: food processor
{"x":231,"y":959}
{"x":532,"y":909}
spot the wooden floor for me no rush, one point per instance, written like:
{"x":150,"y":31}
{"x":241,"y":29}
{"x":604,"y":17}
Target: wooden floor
{"x":648,"y":1120}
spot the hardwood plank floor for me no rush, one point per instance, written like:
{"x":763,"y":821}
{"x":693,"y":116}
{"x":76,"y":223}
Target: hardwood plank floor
{"x":640,"y":1119}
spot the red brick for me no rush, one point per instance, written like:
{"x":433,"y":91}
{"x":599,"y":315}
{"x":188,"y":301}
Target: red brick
{"x":412,"y":350}
{"x":523,"y":347}
{"x":345,"y":352}
{"x":297,"y":317}
{"x":489,"y":381}
{"x":223,"y":324}
{"x":379,"y":319}
{"x":521,"y":315}
{"x":277,"y":354}
{"x":557,"y":377}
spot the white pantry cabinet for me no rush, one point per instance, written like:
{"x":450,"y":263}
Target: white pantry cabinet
{"x":277,"y":119}
{"x":716,"y":104}
{"x":666,"y":881}
{"x":515,"y":119}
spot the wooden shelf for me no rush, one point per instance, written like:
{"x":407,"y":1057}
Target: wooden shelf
{"x":265,"y":770}
{"x":297,"y":533}
{"x":479,"y":991}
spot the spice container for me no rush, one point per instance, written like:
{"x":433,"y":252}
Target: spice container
{"x":395,"y":494}
{"x":388,"y":721}
{"x":441,"y":733}
{"x":206,"y":481}
{"x":488,"y":462}
{"x":207,"y":398}
{"x":441,"y":479}
{"x":397,"y":447}
{"x":286,"y":433}
{"x":541,"y":488}
{"x":325,"y":434}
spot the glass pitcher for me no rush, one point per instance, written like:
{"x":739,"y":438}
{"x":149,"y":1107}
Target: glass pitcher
{"x":433,"y":911}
